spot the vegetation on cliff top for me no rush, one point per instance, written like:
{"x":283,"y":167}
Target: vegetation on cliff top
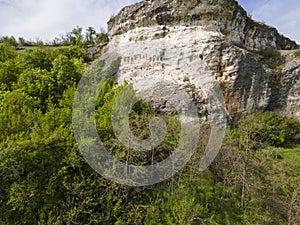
{"x":75,"y":37}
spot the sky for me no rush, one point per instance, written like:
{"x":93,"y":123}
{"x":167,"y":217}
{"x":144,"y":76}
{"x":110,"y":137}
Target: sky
{"x":282,"y":14}
{"x":47,"y":19}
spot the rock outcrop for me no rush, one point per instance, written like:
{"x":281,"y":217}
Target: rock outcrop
{"x":197,"y":43}
{"x":224,"y":16}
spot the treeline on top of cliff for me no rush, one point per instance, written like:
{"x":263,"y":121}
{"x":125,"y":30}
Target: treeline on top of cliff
{"x":75,"y":37}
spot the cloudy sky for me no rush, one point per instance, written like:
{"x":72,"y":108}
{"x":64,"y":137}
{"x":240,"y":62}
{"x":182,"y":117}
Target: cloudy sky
{"x":46,"y":19}
{"x":282,"y":14}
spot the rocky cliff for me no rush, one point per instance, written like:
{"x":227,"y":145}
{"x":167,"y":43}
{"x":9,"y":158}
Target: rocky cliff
{"x":197,"y":43}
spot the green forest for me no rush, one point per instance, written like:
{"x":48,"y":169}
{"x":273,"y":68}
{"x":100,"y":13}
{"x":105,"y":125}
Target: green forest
{"x":44,"y":178}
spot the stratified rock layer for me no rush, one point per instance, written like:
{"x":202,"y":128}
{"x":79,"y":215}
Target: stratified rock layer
{"x":224,"y":16}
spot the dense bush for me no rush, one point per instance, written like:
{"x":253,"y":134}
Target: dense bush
{"x":271,"y":57}
{"x":269,"y":128}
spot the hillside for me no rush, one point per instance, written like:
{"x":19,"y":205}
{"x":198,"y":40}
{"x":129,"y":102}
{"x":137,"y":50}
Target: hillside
{"x":226,"y":90}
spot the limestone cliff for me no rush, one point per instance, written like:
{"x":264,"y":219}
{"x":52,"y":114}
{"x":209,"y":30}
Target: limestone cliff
{"x":196,"y":42}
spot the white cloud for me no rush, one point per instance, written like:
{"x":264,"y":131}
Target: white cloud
{"x":47,"y":19}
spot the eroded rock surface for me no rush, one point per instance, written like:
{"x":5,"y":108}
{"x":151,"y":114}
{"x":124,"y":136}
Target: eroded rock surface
{"x":200,"y":44}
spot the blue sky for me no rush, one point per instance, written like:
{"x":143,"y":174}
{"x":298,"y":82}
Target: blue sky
{"x":46,"y":19}
{"x":282,"y":14}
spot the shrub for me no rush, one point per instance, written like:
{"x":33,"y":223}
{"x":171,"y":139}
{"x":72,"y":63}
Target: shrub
{"x":269,"y":128}
{"x":297,"y":53}
{"x":270,"y":57}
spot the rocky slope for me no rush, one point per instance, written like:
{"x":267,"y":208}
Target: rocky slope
{"x":201,"y":44}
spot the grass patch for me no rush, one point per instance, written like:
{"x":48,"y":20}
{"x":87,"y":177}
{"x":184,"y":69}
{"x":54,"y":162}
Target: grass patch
{"x":289,"y":153}
{"x":292,"y":155}
{"x":297,"y":54}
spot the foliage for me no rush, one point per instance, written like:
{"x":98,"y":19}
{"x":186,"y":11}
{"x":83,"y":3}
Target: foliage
{"x":268,"y":128}
{"x":76,"y":37}
{"x":112,"y":19}
{"x":7,"y":52}
{"x":267,"y":181}
{"x":9,"y":40}
{"x":297,"y":53}
{"x":45,"y":180}
{"x":271,"y":57}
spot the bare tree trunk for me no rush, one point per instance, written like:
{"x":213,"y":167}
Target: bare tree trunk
{"x":244,"y":194}
{"x":244,"y":181}
{"x":291,"y":209}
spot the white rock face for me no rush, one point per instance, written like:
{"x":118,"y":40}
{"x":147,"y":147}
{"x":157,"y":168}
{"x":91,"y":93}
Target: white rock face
{"x":293,"y":101}
{"x":199,"y":47}
{"x":193,"y":58}
{"x":291,"y":82}
{"x":152,"y":52}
